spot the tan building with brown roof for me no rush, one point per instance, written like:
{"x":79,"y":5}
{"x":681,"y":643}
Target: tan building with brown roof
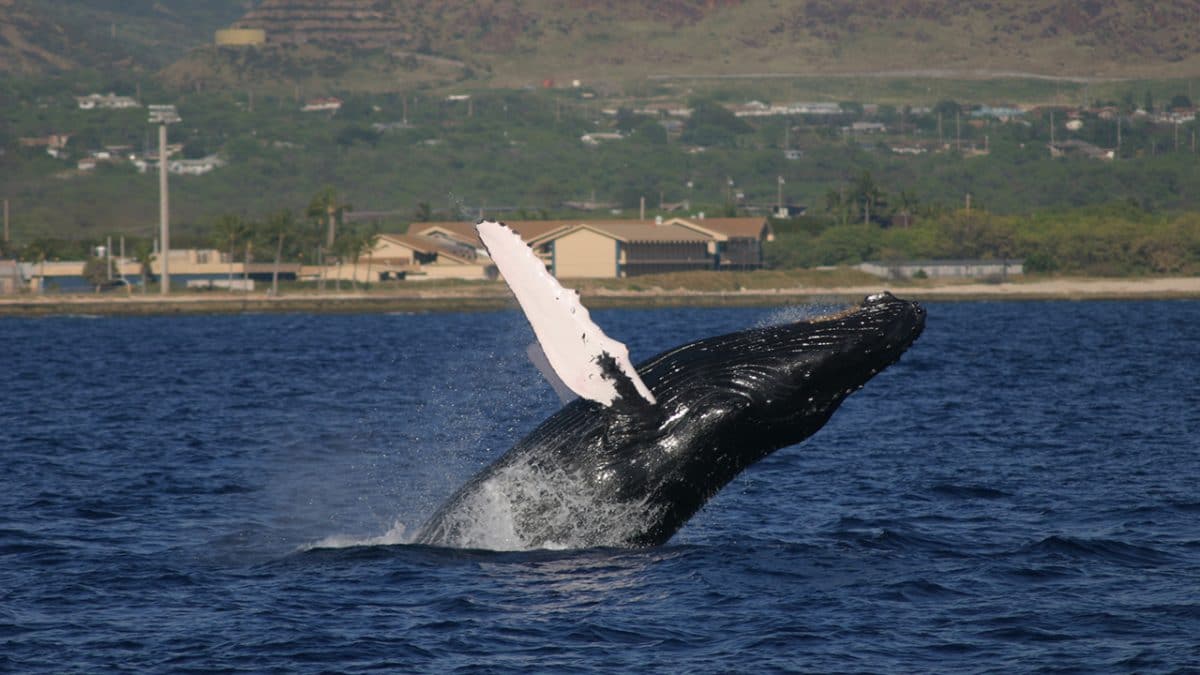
{"x":622,"y":248}
{"x":412,"y":256}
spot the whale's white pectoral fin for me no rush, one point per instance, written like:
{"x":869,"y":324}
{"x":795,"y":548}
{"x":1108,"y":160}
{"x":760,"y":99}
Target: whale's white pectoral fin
{"x":538,"y":358}
{"x":576,"y":349}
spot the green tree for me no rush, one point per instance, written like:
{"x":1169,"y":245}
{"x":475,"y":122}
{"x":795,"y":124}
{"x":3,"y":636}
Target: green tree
{"x":228,"y":231}
{"x":276,"y":229}
{"x":361,"y":241}
{"x":143,"y":255}
{"x":423,"y":212}
{"x":713,"y":124}
{"x":98,"y":271}
{"x":1180,"y":101}
{"x":327,"y":206}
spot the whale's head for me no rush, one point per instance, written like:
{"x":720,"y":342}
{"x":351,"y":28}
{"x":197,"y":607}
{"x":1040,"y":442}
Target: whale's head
{"x":727,"y":401}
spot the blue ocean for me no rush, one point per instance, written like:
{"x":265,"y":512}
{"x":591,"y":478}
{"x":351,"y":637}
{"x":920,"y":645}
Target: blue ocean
{"x":1021,"y":492}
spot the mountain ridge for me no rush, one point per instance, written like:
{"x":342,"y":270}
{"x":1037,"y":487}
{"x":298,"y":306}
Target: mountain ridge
{"x":389,"y":43}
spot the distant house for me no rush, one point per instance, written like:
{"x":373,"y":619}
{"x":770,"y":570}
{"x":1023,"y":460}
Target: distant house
{"x":11,"y":278}
{"x":326,"y":104}
{"x":945,"y":269}
{"x":194,"y":167}
{"x":624,"y":248}
{"x":868,"y":128}
{"x":109,"y":101}
{"x":181,"y":167}
{"x":410,"y":256}
{"x":760,"y":109}
{"x":1078,"y":148}
{"x":788,"y":211}
{"x":596,"y":137}
{"x":1002,"y":113}
{"x":55,"y":144}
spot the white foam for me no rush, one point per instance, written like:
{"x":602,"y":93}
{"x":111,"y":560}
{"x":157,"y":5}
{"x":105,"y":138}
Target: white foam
{"x":794,"y":313}
{"x":397,"y":534}
{"x":521,"y":508}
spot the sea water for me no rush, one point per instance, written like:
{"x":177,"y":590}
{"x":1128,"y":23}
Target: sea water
{"x":1020,"y":492}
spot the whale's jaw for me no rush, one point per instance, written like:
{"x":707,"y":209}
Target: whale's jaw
{"x":632,"y":475}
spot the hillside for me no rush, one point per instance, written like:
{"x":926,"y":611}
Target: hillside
{"x":46,"y":36}
{"x":518,"y":42}
{"x":379,"y":44}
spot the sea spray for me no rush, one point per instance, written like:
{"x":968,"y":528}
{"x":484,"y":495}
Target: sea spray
{"x":521,"y":507}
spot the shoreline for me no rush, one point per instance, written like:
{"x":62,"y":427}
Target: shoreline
{"x":495,"y":297}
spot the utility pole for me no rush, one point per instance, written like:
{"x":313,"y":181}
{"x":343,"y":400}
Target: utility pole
{"x":1118,"y":153}
{"x":162,"y":115}
{"x":958,"y":131}
{"x":779,"y":196}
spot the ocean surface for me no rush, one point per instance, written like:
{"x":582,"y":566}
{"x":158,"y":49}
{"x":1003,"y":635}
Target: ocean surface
{"x":233,"y":493}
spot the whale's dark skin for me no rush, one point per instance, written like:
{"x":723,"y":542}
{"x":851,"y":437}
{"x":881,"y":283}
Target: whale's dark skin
{"x":724,"y":403}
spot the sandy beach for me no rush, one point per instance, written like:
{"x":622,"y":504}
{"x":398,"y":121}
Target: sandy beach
{"x":482,"y":297}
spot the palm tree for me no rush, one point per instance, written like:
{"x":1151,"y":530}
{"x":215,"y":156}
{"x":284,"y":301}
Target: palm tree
{"x":326,"y":205}
{"x":36,"y":251}
{"x":228,"y":231}
{"x":370,"y":241}
{"x":143,"y":255}
{"x":868,"y":195}
{"x":358,"y":242}
{"x":277,"y":228}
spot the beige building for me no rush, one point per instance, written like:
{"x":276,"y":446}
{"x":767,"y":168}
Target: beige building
{"x":408,"y":256}
{"x":623,"y":248}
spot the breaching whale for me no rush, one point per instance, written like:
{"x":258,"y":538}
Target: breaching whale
{"x":643,"y":448}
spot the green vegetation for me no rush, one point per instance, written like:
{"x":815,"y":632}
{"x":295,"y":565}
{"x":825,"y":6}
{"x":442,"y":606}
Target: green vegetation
{"x":1116,"y":240}
{"x":413,"y":155}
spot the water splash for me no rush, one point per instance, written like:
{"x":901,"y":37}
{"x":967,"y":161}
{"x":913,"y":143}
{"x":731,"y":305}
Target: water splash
{"x":521,"y":508}
{"x":397,"y":534}
{"x":794,"y":313}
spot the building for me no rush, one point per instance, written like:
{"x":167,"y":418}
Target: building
{"x":109,"y":101}
{"x":945,"y":269}
{"x":55,"y":144}
{"x":327,"y":104}
{"x":1078,"y":148}
{"x":181,"y":167}
{"x":414,"y":257}
{"x":868,"y":128}
{"x":12,"y":277}
{"x":241,"y":37}
{"x":625,"y":248}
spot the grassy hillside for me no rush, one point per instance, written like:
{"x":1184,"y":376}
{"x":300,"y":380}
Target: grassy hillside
{"x":610,"y":44}
{"x":45,"y":36}
{"x":380,"y":44}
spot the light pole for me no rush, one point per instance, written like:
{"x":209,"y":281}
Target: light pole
{"x":162,"y":115}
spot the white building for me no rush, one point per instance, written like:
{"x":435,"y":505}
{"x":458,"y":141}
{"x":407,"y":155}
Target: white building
{"x":329,"y":104}
{"x":110,"y":101}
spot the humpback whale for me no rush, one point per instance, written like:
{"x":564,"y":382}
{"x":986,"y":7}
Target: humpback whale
{"x":642,"y":448}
